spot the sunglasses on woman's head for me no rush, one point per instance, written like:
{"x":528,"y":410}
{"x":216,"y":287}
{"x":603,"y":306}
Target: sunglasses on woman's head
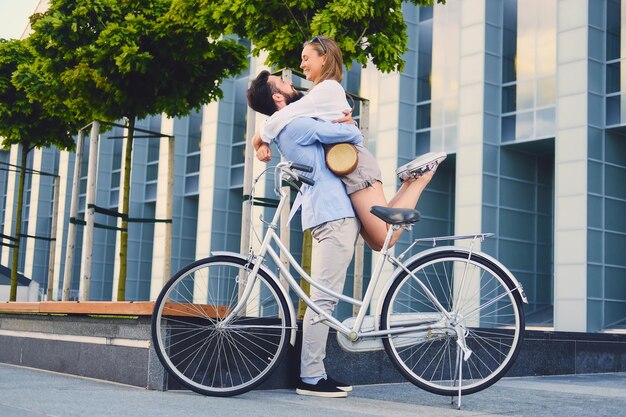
{"x":320,"y":41}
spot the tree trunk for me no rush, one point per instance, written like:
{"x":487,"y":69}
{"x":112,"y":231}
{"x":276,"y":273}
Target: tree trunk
{"x":18,"y":223}
{"x":71,"y":227}
{"x":121,"y":284}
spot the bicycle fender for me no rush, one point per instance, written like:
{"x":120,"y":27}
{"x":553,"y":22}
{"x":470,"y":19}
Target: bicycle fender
{"x":457,"y":249}
{"x":292,"y":313}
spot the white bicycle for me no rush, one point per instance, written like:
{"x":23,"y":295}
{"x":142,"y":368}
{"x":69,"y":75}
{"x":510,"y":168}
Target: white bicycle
{"x":450,"y":318}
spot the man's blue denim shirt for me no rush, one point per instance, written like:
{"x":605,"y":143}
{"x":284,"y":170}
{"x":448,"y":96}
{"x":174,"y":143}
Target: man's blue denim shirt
{"x":301,"y":142}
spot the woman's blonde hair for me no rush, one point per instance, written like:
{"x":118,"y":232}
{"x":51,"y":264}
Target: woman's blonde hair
{"x":333,"y":67}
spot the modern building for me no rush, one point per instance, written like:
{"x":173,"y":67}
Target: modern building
{"x":525,"y":97}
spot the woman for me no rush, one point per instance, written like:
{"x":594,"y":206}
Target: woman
{"x":322,"y":64}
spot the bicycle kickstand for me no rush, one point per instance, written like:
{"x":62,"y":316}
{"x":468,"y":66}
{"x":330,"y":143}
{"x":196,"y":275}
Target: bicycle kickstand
{"x":459,"y":370}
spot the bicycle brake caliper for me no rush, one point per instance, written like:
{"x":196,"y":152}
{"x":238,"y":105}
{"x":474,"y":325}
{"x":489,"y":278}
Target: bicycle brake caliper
{"x":251,"y":258}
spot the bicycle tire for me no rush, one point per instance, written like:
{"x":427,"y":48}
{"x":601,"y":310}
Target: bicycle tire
{"x":198,"y":353}
{"x":495,"y":331}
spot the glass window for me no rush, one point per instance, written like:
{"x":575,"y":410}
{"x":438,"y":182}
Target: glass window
{"x":509,"y":98}
{"x":545,"y":122}
{"x":193,"y":164}
{"x":195,"y":132}
{"x":526,"y":42}
{"x":508,"y":128}
{"x":423,"y":79}
{"x":613,"y":77}
{"x":191,"y":184}
{"x":152,"y":172}
{"x":524,"y":125}
{"x":546,"y":91}
{"x":424,"y":64}
{"x":525,"y":95}
{"x":236,"y":179}
{"x":613,"y":110}
{"x":450,"y":137}
{"x":153,"y":149}
{"x":423,"y":116}
{"x":115,"y":179}
{"x":238,"y":154}
{"x":422,"y":142}
{"x":450,"y":108}
{"x":155,"y":124}
{"x":113,"y":198}
{"x":509,"y":68}
{"x":545,"y":37}
{"x":117,"y":150}
{"x":436,"y":113}
{"x":151,"y":190}
{"x":613,"y":29}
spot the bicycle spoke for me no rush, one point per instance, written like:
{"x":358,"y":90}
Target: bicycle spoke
{"x":479,"y":298}
{"x":214,"y":357}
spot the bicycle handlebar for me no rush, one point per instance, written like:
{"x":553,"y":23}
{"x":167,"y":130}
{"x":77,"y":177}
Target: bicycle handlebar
{"x":301,"y":167}
{"x":306,"y":180}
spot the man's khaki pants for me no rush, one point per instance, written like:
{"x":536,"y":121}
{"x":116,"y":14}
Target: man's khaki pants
{"x":333,"y":248}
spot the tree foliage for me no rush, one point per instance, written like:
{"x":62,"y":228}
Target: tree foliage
{"x":109,"y":59}
{"x":364,"y":29}
{"x":23,"y":120}
{"x":28,"y":123}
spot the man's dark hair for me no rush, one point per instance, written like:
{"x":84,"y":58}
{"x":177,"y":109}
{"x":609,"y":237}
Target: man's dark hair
{"x":260,"y":94}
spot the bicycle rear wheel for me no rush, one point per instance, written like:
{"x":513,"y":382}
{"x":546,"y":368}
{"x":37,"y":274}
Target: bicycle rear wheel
{"x":205,"y":355}
{"x":482,"y":299}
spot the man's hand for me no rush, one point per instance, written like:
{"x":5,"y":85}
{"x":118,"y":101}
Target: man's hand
{"x":264,"y":153}
{"x":347,"y":118}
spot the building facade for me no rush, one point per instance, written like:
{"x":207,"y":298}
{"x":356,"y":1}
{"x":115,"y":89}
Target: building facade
{"x":524,"y":96}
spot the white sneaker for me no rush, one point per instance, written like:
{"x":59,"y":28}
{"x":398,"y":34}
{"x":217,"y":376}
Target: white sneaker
{"x":427,"y":162}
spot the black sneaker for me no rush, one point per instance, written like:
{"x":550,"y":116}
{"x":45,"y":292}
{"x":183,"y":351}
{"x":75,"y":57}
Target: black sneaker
{"x":322,"y":389}
{"x":341,"y":385}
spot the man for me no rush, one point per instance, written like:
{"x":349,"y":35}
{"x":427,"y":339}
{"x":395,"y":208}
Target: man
{"x":326,"y":210}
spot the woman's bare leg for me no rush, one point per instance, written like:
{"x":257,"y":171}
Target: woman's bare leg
{"x":410,"y":191}
{"x":373,"y":229}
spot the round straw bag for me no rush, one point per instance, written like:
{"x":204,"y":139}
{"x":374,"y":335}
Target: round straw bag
{"x":342,"y":158}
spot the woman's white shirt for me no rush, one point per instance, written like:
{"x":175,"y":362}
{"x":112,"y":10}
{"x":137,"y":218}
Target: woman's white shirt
{"x":325,"y":101}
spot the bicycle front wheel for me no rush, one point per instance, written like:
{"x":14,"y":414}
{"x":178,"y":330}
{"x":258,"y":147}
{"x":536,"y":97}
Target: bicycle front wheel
{"x":203,"y":353}
{"x":487,"y":323}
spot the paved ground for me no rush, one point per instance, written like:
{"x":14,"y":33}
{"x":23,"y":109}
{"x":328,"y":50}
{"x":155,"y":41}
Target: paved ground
{"x":27,"y":392}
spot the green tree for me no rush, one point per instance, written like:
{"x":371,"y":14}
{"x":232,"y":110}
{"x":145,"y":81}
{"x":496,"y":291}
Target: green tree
{"x":364,"y":29}
{"x":27,"y":123}
{"x":127,"y":59}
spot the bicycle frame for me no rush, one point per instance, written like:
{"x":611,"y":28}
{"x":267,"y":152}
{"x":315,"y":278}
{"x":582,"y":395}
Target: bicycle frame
{"x":354,"y":332}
